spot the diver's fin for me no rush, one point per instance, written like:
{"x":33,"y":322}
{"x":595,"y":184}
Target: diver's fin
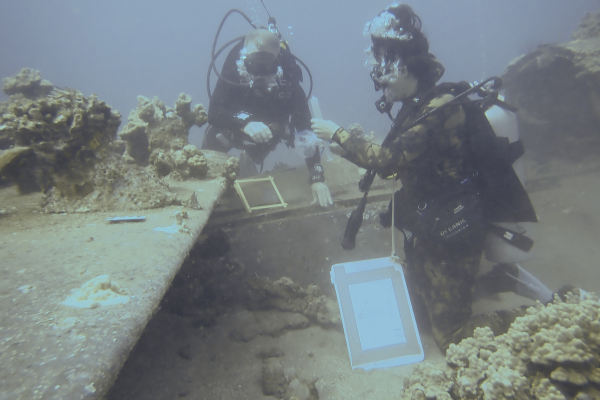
{"x":531,"y":287}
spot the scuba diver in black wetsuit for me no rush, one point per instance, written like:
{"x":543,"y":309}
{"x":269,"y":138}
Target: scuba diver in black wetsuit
{"x":258,"y":103}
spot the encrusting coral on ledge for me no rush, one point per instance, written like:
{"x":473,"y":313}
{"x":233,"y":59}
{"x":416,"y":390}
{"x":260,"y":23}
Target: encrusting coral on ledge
{"x":552,"y":353}
{"x":65,"y":145}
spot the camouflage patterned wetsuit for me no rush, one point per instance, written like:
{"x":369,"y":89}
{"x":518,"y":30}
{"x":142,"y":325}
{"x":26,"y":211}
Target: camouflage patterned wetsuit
{"x":431,"y":159}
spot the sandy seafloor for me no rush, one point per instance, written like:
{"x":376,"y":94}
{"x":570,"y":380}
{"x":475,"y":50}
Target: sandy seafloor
{"x":177,"y":359}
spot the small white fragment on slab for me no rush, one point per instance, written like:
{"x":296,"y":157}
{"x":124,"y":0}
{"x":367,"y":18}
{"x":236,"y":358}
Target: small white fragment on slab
{"x":168,"y":229}
{"x":65,"y":324}
{"x":126,"y":219}
{"x":26,"y":288}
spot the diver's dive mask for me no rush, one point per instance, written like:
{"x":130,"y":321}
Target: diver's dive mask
{"x":385,"y":57}
{"x":395,"y":35}
{"x":384,"y":73}
{"x":261,"y":63}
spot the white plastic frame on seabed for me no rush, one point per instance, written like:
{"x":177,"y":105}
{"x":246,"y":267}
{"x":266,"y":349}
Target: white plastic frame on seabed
{"x":377,"y":314}
{"x":247,"y":205}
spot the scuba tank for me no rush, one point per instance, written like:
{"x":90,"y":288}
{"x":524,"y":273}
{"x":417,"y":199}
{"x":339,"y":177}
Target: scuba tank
{"x":504,"y":123}
{"x":498,"y":250}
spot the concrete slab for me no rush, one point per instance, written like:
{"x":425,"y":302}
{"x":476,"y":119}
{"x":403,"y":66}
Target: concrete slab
{"x":53,"y":351}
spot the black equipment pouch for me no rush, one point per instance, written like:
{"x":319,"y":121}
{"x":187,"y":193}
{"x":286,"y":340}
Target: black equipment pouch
{"x":451,"y":220}
{"x":446,"y":220}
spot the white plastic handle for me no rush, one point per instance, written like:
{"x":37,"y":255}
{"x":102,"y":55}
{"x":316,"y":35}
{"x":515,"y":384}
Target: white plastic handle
{"x":314,"y":102}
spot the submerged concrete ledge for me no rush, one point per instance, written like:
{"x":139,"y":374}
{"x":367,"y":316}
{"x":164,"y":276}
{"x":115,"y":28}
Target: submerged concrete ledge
{"x":51,"y":350}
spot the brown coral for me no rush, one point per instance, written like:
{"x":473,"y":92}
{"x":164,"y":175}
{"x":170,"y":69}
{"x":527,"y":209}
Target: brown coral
{"x":27,"y":82}
{"x":65,"y":144}
{"x":552,"y":353}
{"x":66,"y":131}
{"x":157,"y":135}
{"x":428,"y":382}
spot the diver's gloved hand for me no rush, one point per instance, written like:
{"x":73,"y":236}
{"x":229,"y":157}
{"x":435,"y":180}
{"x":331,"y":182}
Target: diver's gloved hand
{"x":320,"y":193}
{"x":324,"y":129}
{"x":258,"y":132}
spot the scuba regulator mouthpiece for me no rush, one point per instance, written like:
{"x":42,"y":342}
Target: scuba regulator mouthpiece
{"x":385,"y":72}
{"x":261,"y":63}
{"x":383,"y":106}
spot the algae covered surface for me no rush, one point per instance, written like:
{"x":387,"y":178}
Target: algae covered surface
{"x":77,"y":289}
{"x":224,"y":332}
{"x":48,"y":347}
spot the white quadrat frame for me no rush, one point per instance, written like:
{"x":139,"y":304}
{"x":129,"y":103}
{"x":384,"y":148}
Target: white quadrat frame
{"x":249,"y":208}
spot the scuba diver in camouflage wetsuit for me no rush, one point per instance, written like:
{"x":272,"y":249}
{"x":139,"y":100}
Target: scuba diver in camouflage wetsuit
{"x":445,"y":202}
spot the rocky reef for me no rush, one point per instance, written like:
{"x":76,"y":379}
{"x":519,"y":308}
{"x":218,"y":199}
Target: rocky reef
{"x":557,"y":91}
{"x":552,"y":353}
{"x":65,"y":145}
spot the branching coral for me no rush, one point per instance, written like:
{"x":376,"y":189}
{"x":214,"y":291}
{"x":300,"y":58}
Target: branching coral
{"x":28,"y":82}
{"x":65,"y":131}
{"x":157,"y":135}
{"x":65,"y":144}
{"x":429,"y":382}
{"x":549,"y":354}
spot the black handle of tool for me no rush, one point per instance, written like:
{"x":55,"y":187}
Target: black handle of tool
{"x":356,"y":217}
{"x":516,"y":239}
